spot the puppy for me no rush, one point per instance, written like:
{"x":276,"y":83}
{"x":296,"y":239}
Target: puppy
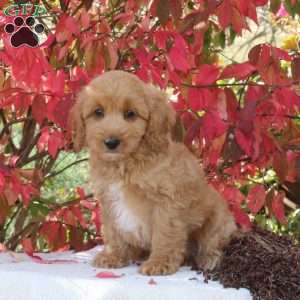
{"x":153,"y":193}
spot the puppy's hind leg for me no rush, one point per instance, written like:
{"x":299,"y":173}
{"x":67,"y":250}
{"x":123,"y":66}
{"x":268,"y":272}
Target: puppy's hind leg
{"x":212,"y":238}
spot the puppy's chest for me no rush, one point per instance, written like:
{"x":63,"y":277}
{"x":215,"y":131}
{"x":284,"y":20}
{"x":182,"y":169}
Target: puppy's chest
{"x":127,"y":213}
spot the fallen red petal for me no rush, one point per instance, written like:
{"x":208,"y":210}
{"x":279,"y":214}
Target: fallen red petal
{"x":104,"y":275}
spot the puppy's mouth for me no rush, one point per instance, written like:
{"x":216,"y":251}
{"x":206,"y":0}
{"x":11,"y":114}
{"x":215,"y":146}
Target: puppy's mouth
{"x":112,"y":155}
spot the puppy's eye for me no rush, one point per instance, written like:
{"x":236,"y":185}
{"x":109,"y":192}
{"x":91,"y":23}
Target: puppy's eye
{"x":99,"y":112}
{"x":130,"y":115}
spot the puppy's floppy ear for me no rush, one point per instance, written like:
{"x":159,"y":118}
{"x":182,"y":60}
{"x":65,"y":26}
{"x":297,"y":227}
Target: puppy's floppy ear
{"x":161,"y":118}
{"x":76,"y":123}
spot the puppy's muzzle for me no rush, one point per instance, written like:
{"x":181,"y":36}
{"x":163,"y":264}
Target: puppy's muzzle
{"x":112,"y":143}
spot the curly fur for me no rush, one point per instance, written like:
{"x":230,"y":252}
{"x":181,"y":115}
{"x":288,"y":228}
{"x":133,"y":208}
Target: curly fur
{"x":152,"y":190}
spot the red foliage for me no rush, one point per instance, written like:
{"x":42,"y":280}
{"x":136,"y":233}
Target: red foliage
{"x":239,"y":129}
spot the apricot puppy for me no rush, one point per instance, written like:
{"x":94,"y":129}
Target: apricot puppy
{"x":152,"y":190}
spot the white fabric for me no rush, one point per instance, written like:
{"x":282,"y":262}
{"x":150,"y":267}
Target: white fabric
{"x":28,"y":280}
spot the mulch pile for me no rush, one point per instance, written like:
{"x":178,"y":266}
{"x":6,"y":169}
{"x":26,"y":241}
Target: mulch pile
{"x":265,"y":263}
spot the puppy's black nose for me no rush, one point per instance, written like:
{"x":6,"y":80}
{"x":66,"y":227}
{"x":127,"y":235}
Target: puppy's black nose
{"x":112,"y":143}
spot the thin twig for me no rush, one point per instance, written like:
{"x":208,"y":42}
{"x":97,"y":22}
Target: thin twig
{"x":36,"y":156}
{"x":285,"y":116}
{"x":71,"y":202}
{"x":65,"y":168}
{"x":216,"y":85}
{"x":19,"y":206}
{"x":13,"y":146}
{"x":12,"y":243}
{"x":10,"y":123}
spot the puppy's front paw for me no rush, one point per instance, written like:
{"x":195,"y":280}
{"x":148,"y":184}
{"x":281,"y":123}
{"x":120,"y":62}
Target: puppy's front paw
{"x":105,"y":260}
{"x":151,"y":267}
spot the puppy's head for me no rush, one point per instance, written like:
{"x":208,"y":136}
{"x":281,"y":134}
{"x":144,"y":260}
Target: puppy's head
{"x":117,"y":114}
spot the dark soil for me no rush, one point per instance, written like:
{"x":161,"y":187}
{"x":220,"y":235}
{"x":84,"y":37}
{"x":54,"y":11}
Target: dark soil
{"x":265,"y":263}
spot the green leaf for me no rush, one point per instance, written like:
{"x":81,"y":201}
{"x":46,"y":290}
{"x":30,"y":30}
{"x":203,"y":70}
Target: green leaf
{"x":207,"y":40}
{"x":232,"y":35}
{"x":63,"y":5}
{"x":221,"y":39}
{"x":38,"y":209}
{"x":292,"y":9}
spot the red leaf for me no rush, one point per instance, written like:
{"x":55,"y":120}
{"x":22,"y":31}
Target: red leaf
{"x":39,"y":109}
{"x":256,"y":93}
{"x":178,"y":55}
{"x":244,"y":142}
{"x":56,"y":83}
{"x":55,"y":233}
{"x":68,"y":217}
{"x":208,"y":74}
{"x":224,"y":13}
{"x":193,"y":131}
{"x":152,"y":282}
{"x":77,"y":212}
{"x":241,"y":217}
{"x":87,"y":204}
{"x":50,"y":231}
{"x":27,"y":246}
{"x":238,"y":71}
{"x":109,"y":275}
{"x":281,"y":54}
{"x":80,"y":192}
{"x":199,"y":99}
{"x":231,"y":105}
{"x":233,"y":195}
{"x":72,"y":25}
{"x":58,"y":110}
{"x":219,"y":126}
{"x":2,"y":182}
{"x":278,"y":207}
{"x":238,"y":20}
{"x":246,"y":117}
{"x":43,"y":140}
{"x":254,"y":54}
{"x":96,"y":218}
{"x":160,"y":38}
{"x":76,"y":239}
{"x":55,"y":142}
{"x":256,"y":198}
{"x":85,"y":19}
{"x":215,"y":149}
